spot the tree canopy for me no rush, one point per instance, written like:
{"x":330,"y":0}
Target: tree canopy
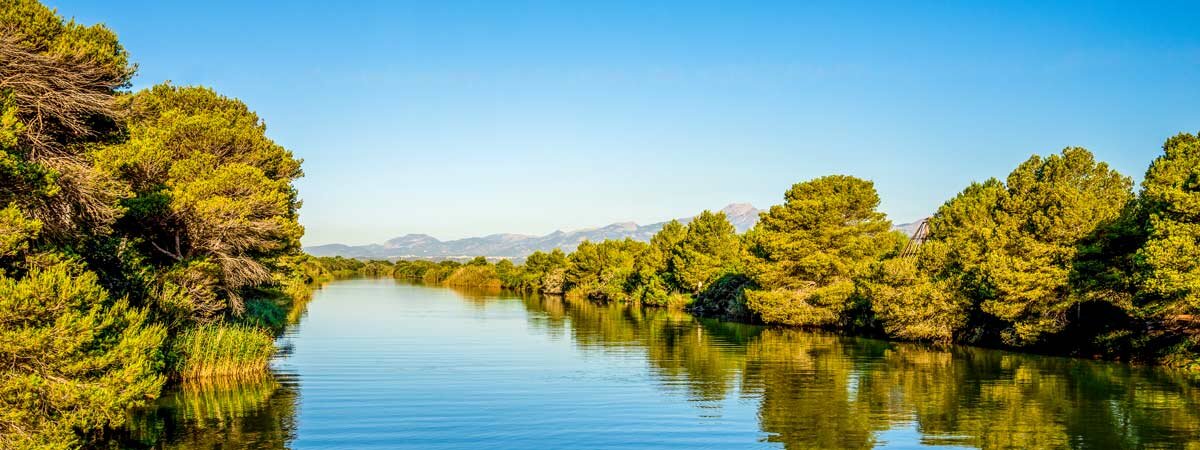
{"x":807,"y":253}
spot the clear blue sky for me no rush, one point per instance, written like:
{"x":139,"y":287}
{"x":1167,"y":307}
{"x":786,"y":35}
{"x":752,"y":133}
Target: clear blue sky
{"x":459,"y":119}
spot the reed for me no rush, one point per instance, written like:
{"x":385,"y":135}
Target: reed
{"x":222,"y":351}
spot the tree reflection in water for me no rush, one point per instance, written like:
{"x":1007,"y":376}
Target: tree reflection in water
{"x":813,"y":390}
{"x":257,"y":413}
{"x":818,"y":390}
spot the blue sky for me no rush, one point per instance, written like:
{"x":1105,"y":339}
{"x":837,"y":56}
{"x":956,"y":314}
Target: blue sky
{"x":468,"y":118}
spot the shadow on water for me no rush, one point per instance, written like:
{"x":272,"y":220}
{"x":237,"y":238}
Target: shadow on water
{"x":811,"y":390}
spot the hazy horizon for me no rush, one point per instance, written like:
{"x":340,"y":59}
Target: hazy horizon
{"x":530,"y":117}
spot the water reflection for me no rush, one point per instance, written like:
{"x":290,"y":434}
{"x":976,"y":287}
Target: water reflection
{"x":809,"y":390}
{"x":258,"y":413}
{"x":826,"y":391}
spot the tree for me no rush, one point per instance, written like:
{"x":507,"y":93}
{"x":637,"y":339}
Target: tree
{"x":936,"y":296}
{"x":1169,"y":260}
{"x":655,"y":277}
{"x":709,"y":248}
{"x":602,"y":271}
{"x":57,"y":84}
{"x":1001,"y":257}
{"x":545,"y":272}
{"x":1050,"y":206}
{"x":808,"y":252}
{"x":213,"y":198}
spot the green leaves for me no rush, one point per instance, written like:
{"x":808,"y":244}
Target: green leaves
{"x":809,"y":252}
{"x":1169,"y":261}
{"x":70,"y":358}
{"x":1049,"y":207}
{"x":709,"y":248}
{"x":215,"y":187}
{"x":602,"y":271}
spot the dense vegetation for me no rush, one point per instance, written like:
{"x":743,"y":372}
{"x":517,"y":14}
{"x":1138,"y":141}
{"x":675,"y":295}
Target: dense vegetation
{"x":144,"y":236}
{"x":1060,"y":257}
{"x":153,"y":235}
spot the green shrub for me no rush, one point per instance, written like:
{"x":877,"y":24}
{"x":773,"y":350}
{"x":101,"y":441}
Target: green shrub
{"x":71,"y":360}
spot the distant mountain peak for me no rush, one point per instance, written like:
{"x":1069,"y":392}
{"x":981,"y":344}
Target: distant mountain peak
{"x":739,"y":209}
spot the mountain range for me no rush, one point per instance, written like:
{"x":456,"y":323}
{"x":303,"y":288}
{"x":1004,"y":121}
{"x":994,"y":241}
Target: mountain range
{"x":743,"y":216}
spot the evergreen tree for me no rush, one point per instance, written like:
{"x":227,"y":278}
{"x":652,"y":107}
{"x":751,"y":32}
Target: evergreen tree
{"x":214,"y":201}
{"x":602,"y":271}
{"x":808,"y":253}
{"x":71,"y":358}
{"x":655,"y":276}
{"x":1050,"y":207}
{"x":1169,"y":260}
{"x":709,"y":248}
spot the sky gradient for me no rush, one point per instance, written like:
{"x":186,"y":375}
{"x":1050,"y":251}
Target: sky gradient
{"x":471,"y":118}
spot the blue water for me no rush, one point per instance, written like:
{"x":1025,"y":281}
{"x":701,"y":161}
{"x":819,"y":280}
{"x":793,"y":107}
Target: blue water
{"x":384,"y":364}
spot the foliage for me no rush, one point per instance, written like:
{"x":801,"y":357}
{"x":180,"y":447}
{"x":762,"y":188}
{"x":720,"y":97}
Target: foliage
{"x":936,"y":296}
{"x":808,"y":253}
{"x":655,"y":277}
{"x":543,"y":272}
{"x":213,"y":197}
{"x":1169,"y":261}
{"x":474,"y":275}
{"x":71,"y":358}
{"x":602,"y":271}
{"x":125,"y":219}
{"x":710,"y":248}
{"x":57,"y":82}
{"x":725,"y":298}
{"x":1050,"y":206}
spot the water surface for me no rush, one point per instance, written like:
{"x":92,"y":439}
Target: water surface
{"x":384,"y":364}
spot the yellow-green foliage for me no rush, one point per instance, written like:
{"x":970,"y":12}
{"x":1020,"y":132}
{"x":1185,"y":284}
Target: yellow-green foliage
{"x":808,"y":253}
{"x":474,"y":276}
{"x":1170,"y":203}
{"x":710,"y":248}
{"x":58,"y":81}
{"x":221,"y":351}
{"x":543,"y":272}
{"x":71,"y":359}
{"x":16,"y":231}
{"x":171,"y":199}
{"x":932,"y":295}
{"x":916,"y":307}
{"x":1050,"y":205}
{"x":42,"y":29}
{"x":602,"y":271}
{"x":211,"y":192}
{"x":682,"y":261}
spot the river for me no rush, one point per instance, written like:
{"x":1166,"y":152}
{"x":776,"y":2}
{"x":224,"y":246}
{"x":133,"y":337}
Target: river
{"x":385,"y":364}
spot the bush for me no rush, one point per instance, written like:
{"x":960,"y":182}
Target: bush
{"x":474,"y":276}
{"x":71,"y":360}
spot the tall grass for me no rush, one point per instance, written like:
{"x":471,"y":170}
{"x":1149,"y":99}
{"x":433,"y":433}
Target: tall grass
{"x":222,"y":350}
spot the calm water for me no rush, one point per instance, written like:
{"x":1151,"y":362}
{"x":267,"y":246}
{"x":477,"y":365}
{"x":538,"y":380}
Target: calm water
{"x":382,"y":364}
